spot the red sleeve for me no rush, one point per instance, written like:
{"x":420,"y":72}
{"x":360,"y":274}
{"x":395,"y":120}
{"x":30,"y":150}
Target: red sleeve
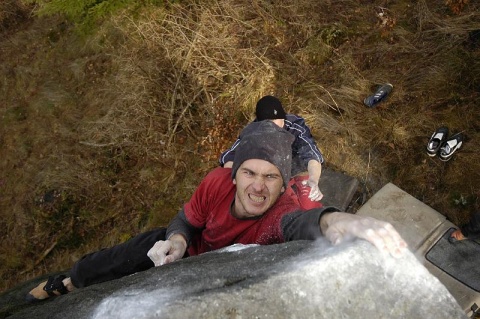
{"x":208,"y":195}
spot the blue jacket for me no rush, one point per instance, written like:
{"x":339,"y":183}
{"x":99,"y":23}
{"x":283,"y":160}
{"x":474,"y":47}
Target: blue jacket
{"x":304,"y":147}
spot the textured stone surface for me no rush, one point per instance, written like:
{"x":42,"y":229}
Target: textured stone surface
{"x":294,"y":280}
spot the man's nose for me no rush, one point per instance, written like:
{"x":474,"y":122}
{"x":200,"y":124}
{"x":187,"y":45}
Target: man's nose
{"x":259,"y":183}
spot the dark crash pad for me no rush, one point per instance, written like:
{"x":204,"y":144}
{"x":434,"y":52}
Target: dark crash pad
{"x":338,"y":188}
{"x":458,"y":259}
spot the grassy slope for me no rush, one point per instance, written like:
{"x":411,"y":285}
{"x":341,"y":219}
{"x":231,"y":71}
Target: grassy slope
{"x":105,"y":136}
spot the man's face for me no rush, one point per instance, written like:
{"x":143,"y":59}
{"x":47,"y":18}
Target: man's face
{"x":279,"y":122}
{"x":259,"y":184}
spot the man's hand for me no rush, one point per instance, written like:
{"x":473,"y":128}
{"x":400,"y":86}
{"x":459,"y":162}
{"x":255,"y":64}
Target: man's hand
{"x":458,"y":235}
{"x":315,"y":193}
{"x":164,"y":252}
{"x":340,"y":227}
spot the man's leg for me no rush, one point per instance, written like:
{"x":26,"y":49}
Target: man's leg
{"x":104,"y":265}
{"x":116,"y":262}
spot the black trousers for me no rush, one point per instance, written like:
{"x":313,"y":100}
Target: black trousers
{"x":118,"y":261}
{"x":472,"y":229}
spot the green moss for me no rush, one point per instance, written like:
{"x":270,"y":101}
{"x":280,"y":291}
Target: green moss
{"x":17,"y":113}
{"x":334,"y":35}
{"x":462,"y":201}
{"x":86,"y":14}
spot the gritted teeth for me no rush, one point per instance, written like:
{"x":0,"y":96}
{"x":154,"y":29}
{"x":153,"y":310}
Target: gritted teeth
{"x":257,"y":199}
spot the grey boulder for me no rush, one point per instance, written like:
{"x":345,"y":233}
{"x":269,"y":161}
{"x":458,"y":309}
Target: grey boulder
{"x":300,"y":279}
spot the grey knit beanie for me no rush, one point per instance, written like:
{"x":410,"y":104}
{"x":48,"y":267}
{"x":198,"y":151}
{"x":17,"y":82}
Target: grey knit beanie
{"x":266,"y":141}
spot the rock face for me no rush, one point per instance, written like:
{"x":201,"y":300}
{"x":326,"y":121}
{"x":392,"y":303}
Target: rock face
{"x":299,"y":279}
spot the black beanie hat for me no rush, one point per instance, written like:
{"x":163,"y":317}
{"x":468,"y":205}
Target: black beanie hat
{"x":269,"y":108}
{"x":266,"y":141}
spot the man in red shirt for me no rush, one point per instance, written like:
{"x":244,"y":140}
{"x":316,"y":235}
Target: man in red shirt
{"x":251,"y":203}
{"x":307,"y":159}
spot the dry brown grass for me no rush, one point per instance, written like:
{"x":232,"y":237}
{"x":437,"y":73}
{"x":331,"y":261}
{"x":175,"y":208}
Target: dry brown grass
{"x":104,"y":137}
{"x":13,"y":13}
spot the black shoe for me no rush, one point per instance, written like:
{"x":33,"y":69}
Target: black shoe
{"x":379,"y":95}
{"x":51,"y":288}
{"x":450,"y":146}
{"x":436,"y":141}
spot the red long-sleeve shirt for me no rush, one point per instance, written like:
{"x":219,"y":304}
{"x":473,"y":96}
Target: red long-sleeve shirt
{"x":207,"y":223}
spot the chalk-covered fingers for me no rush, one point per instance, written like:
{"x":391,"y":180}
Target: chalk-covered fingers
{"x":167,"y":251}
{"x":339,"y":227}
{"x":159,"y":251}
{"x":315,"y":193}
{"x":383,"y":236}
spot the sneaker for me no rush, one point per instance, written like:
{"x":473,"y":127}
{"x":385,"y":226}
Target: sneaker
{"x":450,"y":146}
{"x":381,"y":93}
{"x":302,"y":190}
{"x":52,"y":287}
{"x":436,"y":141}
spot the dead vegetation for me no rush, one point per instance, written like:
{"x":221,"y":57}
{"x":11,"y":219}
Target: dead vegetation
{"x":106,"y":136}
